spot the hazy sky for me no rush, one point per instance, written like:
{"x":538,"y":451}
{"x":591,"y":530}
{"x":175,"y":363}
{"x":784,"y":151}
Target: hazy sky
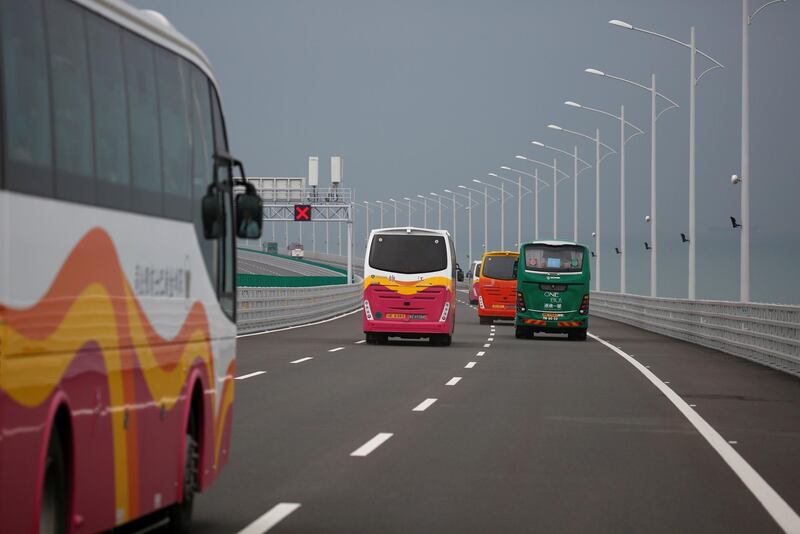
{"x":422,"y":95}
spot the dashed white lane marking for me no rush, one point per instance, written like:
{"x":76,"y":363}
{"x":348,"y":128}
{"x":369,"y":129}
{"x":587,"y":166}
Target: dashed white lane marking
{"x":781,"y":512}
{"x":453,"y":381}
{"x":250,"y":375}
{"x":278,"y":513}
{"x":693,"y":405}
{"x":470,"y":365}
{"x":301,"y":360}
{"x":480,"y":353}
{"x":490,"y":339}
{"x":372,"y":444}
{"x":359,"y":342}
{"x":487,"y":345}
{"x":337,"y":349}
{"x":424,"y":405}
{"x":733,"y":442}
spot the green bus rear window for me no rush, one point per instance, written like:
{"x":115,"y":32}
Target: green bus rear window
{"x":554,"y":258}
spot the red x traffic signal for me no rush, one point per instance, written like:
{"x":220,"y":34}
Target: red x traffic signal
{"x":302,"y":212}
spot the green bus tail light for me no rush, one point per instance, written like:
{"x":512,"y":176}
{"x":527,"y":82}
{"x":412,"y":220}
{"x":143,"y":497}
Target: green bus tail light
{"x":584,"y":309}
{"x":521,"y":301}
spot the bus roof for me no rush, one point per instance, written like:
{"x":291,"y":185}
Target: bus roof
{"x":154,"y":27}
{"x":501,"y":253}
{"x":554,"y":243}
{"x":411,"y":230}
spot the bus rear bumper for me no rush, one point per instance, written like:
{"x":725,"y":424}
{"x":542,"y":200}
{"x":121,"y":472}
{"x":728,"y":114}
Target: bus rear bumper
{"x":408,"y":328}
{"x":561,"y":326}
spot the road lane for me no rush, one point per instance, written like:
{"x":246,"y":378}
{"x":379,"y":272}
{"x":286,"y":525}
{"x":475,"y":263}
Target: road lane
{"x":543,"y":435}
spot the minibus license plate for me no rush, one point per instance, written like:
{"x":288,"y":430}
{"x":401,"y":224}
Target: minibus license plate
{"x":551,"y":316}
{"x":395,"y":315}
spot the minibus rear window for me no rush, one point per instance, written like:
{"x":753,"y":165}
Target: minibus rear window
{"x":554,"y":258}
{"x":499,"y":267}
{"x":408,"y":254}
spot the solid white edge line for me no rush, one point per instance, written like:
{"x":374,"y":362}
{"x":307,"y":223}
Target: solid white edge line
{"x":778,"y":509}
{"x":276,"y":514}
{"x":337,"y":349}
{"x":453,"y":381}
{"x":372,"y":444}
{"x":470,"y":365}
{"x":480,"y":353}
{"x":250,"y":375}
{"x":301,"y":360}
{"x":424,"y":405}
{"x":300,"y":325}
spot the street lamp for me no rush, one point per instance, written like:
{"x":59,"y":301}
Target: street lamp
{"x":520,"y":194}
{"x":744,"y":172}
{"x":576,"y":172}
{"x":468,"y":196}
{"x":556,"y":181}
{"x":536,"y":182}
{"x":410,"y":200}
{"x":425,"y":211}
{"x":395,"y":211}
{"x":486,"y":198}
{"x":381,"y":203}
{"x":654,"y":115}
{"x":693,"y":81}
{"x":622,"y":251}
{"x":502,"y":206}
{"x":440,"y":209}
{"x":597,"y":160}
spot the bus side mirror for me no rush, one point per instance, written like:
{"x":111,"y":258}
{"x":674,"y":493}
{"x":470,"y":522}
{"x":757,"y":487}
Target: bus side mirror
{"x":213,"y":214}
{"x":516,"y":268}
{"x":459,"y":274}
{"x":249,"y":215}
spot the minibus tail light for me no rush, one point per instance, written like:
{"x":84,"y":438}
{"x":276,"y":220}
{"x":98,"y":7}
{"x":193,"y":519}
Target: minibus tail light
{"x":584,"y":309}
{"x":367,"y":310}
{"x":520,"y":301}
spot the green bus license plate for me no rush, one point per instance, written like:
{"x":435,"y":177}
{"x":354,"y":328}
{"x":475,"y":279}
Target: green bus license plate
{"x":551,"y":316}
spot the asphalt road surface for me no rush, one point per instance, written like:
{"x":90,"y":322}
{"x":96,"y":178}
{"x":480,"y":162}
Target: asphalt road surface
{"x":508,"y":435}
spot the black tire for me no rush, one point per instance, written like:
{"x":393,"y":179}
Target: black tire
{"x":520,"y":332}
{"x":180,"y":513}
{"x":473,"y":302}
{"x":54,"y":508}
{"x":372,"y":339}
{"x":529,"y":334}
{"x":485,"y":320}
{"x":441,"y":340}
{"x":579,"y":335}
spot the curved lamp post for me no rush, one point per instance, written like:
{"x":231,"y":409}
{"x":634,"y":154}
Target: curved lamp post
{"x":536,"y":182}
{"x":654,"y":115}
{"x":598,"y":159}
{"x":468,"y":207}
{"x":575,"y":173}
{"x":622,"y":251}
{"x":520,"y":194}
{"x":486,"y":198}
{"x":556,"y":181}
{"x":694,"y":79}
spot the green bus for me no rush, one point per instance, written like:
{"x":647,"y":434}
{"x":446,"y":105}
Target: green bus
{"x":553,"y":289}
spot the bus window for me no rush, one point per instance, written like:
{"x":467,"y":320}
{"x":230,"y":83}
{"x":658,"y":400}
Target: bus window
{"x":408,"y":254}
{"x":499,"y":267}
{"x":111,"y":148}
{"x":26,"y":103}
{"x":556,"y":259}
{"x":143,"y":114}
{"x":72,"y":124}
{"x":202,"y":165}
{"x":176,"y":137}
{"x":227,"y":293}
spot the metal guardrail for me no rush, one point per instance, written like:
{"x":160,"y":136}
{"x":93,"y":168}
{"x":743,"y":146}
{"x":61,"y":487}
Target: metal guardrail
{"x":768,"y":334}
{"x":268,"y":308}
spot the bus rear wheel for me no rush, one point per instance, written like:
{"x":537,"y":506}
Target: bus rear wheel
{"x":53,"y":510}
{"x":180,"y":514}
{"x":579,"y":335}
{"x":485,"y":320}
{"x":374,"y":338}
{"x":441,"y":340}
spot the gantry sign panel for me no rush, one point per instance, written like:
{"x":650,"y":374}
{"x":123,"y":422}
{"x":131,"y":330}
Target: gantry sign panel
{"x":285,"y":200}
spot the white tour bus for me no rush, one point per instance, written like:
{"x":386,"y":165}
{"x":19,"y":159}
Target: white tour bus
{"x":118,"y":228}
